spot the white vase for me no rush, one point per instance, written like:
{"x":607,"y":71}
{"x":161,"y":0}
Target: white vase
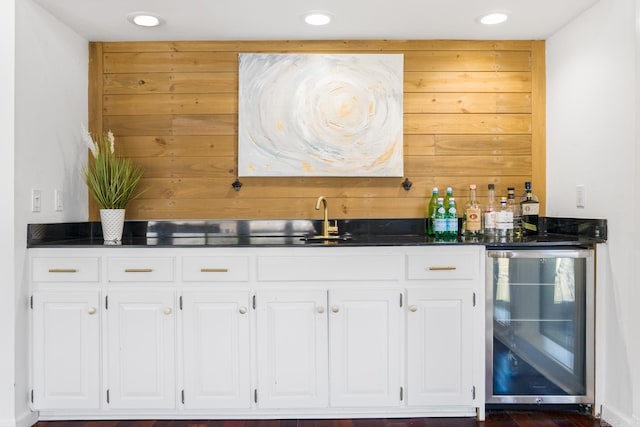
{"x":112,"y":225}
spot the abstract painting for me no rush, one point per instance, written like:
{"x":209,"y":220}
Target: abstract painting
{"x":320,"y":115}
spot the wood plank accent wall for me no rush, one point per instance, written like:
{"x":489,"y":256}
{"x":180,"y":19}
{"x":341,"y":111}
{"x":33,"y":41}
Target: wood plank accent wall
{"x":474,"y":112}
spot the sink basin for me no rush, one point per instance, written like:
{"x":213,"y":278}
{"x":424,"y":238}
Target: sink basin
{"x":339,"y":238}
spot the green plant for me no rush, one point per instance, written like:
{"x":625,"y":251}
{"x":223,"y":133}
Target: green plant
{"x":111,"y":180}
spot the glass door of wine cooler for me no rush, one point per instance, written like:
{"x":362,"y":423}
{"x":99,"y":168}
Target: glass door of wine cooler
{"x":540,"y":324}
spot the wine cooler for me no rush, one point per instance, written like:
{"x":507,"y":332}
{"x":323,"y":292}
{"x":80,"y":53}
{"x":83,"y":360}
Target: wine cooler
{"x":540,"y":326}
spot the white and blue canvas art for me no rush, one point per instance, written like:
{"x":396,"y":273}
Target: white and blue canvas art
{"x":320,"y":115}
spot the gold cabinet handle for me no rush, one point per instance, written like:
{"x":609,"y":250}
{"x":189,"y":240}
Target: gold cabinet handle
{"x":243,"y":310}
{"x":214,"y":270}
{"x":442,"y":268}
{"x":63,"y":270}
{"x":138,"y":270}
{"x":413,"y":308}
{"x":91,"y":310}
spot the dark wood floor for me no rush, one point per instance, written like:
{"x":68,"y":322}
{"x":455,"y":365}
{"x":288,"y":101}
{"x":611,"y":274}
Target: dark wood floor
{"x":494,"y":419}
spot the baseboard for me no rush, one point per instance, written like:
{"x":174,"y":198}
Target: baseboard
{"x":617,"y":419}
{"x":26,"y":419}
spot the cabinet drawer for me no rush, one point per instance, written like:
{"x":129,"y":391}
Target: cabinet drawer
{"x":454,"y":264}
{"x":156,"y":269}
{"x":215,"y":269}
{"x":66,"y":269}
{"x":327,"y":268}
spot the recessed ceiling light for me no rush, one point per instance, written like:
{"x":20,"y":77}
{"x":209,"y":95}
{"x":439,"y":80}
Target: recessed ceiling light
{"x":317,"y":18}
{"x":493,"y":18}
{"x":144,"y":19}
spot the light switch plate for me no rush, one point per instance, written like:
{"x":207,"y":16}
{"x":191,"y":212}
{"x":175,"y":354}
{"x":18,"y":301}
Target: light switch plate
{"x":58,"y":200}
{"x":580,"y":196}
{"x":36,"y":200}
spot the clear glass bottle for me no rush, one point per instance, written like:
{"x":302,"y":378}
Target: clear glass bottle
{"x":504,"y":221}
{"x":431,"y":211}
{"x":490,"y":213}
{"x":452,"y":221}
{"x":530,"y":209}
{"x":440,"y":221}
{"x":472,"y":215}
{"x":517,"y":213}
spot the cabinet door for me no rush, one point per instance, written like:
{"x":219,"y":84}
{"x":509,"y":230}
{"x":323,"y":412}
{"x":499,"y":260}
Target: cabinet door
{"x":440,"y":347}
{"x":216,"y":349}
{"x":141,"y":327}
{"x":292,"y":349}
{"x":66,"y":350}
{"x":364,"y":349}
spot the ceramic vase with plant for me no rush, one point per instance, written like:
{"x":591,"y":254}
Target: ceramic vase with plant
{"x":112,"y":182}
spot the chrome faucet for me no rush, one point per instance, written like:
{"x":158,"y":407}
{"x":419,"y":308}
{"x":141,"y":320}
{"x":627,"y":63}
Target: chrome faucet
{"x":327,"y":229}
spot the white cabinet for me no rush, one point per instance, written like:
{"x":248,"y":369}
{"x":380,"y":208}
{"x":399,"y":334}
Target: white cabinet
{"x":263,"y":332}
{"x":365,"y":346}
{"x":292,"y":348}
{"x":140,"y":349}
{"x":66,"y":350}
{"x":216,"y":349}
{"x":440,"y":357}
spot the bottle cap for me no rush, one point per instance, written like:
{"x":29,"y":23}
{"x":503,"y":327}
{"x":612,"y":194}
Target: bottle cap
{"x":472,"y":186}
{"x":491,"y":186}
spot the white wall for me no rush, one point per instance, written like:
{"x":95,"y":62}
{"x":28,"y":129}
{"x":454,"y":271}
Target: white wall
{"x":7,"y":37}
{"x":51,"y":80}
{"x":592,"y":141}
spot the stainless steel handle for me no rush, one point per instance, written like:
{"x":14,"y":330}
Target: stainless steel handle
{"x":214,"y":270}
{"x":500,"y":254}
{"x":413,"y":308}
{"x":320,"y":309}
{"x":243,"y":310}
{"x":167,"y":310}
{"x":138,"y":270}
{"x":91,"y":310}
{"x":442,"y":268}
{"x":335,"y":308}
{"x":63,"y":270}
{"x":542,"y":253}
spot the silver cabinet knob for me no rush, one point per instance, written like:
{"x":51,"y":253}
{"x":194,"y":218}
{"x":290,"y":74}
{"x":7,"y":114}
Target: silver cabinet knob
{"x":243,"y":310}
{"x":167,"y":310}
{"x":320,"y":309}
{"x":413,"y":308}
{"x":335,"y":308}
{"x":91,"y":310}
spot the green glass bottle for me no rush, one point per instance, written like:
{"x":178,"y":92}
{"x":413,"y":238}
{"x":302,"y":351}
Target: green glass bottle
{"x":452,"y":221}
{"x":447,"y":197}
{"x":440,"y":221}
{"x":431,"y":211}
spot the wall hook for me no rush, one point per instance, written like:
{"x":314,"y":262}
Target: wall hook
{"x":237,"y":185}
{"x":406,"y":184}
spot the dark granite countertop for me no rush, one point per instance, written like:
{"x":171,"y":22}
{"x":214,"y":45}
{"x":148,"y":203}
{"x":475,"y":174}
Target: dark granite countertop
{"x":556,"y":232}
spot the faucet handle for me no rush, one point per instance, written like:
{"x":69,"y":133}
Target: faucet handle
{"x":333,"y":229}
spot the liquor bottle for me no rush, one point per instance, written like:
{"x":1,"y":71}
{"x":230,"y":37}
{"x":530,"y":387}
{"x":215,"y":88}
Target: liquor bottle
{"x":504,"y":221}
{"x":517,"y":213}
{"x":440,"y":221}
{"x":530,"y":208}
{"x":452,"y":220}
{"x":490,"y":214}
{"x":431,"y":211}
{"x":448,"y":196}
{"x":472,"y":215}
